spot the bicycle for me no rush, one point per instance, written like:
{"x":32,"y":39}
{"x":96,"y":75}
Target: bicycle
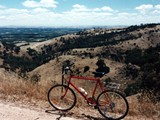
{"x":111,"y":104}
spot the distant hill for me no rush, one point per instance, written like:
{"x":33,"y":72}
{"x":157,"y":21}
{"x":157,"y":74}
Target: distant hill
{"x":138,"y":46}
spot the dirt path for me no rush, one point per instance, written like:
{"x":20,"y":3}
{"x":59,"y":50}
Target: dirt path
{"x":9,"y":111}
{"x":14,"y":111}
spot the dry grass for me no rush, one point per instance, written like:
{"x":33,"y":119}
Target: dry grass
{"x":15,"y":89}
{"x":22,"y":88}
{"x":144,"y":108}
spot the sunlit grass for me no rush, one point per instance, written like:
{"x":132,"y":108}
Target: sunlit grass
{"x":17,"y":89}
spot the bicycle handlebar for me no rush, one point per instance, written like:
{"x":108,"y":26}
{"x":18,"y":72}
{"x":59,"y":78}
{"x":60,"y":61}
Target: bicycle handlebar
{"x":67,"y":68}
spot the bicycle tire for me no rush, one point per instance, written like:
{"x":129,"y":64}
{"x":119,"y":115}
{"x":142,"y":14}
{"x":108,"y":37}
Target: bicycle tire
{"x":60,"y":99}
{"x":112,"y":105}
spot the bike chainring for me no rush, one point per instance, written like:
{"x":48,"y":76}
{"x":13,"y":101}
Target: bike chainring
{"x":91,"y":101}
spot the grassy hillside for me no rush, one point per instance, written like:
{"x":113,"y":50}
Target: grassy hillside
{"x":132,"y":53}
{"x":138,"y":45}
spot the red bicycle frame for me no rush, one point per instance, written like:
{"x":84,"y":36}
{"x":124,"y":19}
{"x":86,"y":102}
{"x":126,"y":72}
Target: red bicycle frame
{"x":97,"y":80}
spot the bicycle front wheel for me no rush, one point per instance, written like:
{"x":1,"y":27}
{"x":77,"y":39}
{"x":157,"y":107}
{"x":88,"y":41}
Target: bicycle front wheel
{"x":61,"y":97}
{"x":112,"y":105}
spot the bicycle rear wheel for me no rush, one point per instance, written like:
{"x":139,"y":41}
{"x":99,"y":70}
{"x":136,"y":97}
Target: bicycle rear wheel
{"x":61,"y":97}
{"x":112,"y":105}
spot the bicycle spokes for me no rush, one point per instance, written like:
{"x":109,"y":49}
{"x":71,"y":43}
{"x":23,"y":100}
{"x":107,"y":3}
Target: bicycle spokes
{"x":61,"y":97}
{"x":112,"y":105}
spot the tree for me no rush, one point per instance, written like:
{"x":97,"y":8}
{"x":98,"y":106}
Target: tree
{"x":17,"y":50}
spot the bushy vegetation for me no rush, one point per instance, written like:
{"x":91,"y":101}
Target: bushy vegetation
{"x":149,"y":61}
{"x":25,"y":64}
{"x":11,"y":47}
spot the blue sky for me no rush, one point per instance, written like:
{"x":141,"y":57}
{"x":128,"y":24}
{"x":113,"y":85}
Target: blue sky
{"x":67,"y":13}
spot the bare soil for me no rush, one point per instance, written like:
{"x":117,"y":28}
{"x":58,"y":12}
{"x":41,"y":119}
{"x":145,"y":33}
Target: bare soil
{"x":15,"y":111}
{"x":11,"y":111}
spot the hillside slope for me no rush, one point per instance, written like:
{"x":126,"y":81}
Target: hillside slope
{"x":118,"y":47}
{"x":29,"y":71}
{"x":86,"y":47}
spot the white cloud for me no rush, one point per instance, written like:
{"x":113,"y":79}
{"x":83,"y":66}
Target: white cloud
{"x":96,"y":9}
{"x":35,"y":17}
{"x":82,"y":8}
{"x":13,"y":11}
{"x":82,"y":15}
{"x":106,"y":8}
{"x":30,"y":3}
{"x":79,"y":15}
{"x":41,"y":3}
{"x":144,"y":8}
{"x":40,"y":10}
{"x":79,"y":8}
{"x":149,"y":10}
{"x":157,"y":6}
{"x":156,"y":12}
